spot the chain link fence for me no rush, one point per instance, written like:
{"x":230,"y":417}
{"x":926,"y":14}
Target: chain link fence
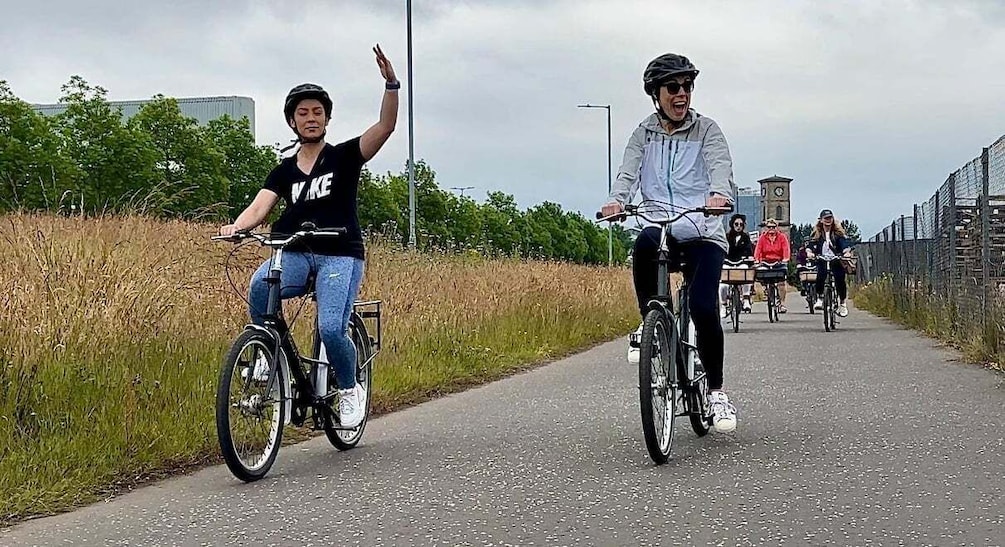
{"x":946,"y":257}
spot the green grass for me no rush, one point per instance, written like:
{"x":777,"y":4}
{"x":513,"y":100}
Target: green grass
{"x":116,"y":330}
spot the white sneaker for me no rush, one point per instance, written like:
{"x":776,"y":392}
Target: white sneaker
{"x":634,"y":342}
{"x":819,"y":305}
{"x":723,"y":312}
{"x":723,"y":413}
{"x":261,"y":369}
{"x":350,"y":406}
{"x":843,"y":310}
{"x":746,"y":304}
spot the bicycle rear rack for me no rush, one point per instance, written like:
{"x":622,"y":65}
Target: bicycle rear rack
{"x":370,"y":309}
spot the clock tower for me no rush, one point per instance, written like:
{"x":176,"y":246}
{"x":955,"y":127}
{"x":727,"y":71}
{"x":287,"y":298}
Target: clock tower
{"x":775,"y":201}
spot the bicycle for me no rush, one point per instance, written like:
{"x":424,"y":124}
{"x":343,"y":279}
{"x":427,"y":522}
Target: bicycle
{"x":670,"y":370}
{"x":808,"y":278}
{"x":736,"y":274}
{"x":265,"y":378}
{"x":830,"y":300}
{"x":770,"y":274}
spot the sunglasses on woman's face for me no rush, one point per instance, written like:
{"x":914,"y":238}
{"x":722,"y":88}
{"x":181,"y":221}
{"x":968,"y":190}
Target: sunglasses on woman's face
{"x":738,"y":225}
{"x":771,"y":226}
{"x":674,"y":88}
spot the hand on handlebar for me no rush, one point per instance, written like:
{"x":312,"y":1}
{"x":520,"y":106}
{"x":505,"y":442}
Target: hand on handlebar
{"x":715,"y":201}
{"x":228,"y":230}
{"x":611,"y":209}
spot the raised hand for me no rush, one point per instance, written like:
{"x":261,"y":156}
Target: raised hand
{"x":386,"y":70}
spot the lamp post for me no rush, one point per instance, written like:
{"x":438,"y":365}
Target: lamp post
{"x":411,"y":133}
{"x":461,"y":189}
{"x":610,"y":227}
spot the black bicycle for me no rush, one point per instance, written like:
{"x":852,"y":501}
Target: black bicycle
{"x":736,"y":274}
{"x":808,"y":279}
{"x":265,"y":383}
{"x":770,"y":274}
{"x":670,"y":370}
{"x":830,"y":299}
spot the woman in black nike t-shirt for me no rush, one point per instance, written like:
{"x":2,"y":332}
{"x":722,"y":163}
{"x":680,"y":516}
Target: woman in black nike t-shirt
{"x":319,"y":184}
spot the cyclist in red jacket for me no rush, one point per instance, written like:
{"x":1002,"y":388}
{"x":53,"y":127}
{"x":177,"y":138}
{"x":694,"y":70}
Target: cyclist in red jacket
{"x":773,"y":246}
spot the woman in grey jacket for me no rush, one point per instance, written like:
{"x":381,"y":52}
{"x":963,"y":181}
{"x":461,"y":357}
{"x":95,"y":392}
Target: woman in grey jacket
{"x":681,"y":157}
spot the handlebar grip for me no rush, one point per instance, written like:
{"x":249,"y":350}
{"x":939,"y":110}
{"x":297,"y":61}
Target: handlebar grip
{"x":308,"y":226}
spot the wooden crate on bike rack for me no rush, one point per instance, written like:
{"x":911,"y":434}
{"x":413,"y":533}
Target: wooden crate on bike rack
{"x":808,"y":276}
{"x":737,"y":276}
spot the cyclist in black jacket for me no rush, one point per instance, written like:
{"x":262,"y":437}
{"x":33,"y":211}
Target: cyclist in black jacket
{"x":740,"y":248}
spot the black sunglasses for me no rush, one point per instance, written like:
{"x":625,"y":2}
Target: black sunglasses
{"x":738,"y":223}
{"x":674,"y":87}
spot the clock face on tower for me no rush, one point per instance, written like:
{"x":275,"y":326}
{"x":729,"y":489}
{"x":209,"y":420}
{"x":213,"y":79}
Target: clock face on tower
{"x":779,"y":191}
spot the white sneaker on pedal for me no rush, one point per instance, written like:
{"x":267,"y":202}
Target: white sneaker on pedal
{"x":723,"y":413}
{"x":819,"y":304}
{"x":634,"y":342}
{"x":746,"y":304}
{"x":351,"y":405}
{"x":723,"y":312}
{"x":843,"y":310}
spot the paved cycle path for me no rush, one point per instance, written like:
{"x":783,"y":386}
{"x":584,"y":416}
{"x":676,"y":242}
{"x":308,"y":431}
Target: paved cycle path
{"x":871,"y":435}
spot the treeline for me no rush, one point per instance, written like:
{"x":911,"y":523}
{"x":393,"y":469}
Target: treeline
{"x":88,"y":160}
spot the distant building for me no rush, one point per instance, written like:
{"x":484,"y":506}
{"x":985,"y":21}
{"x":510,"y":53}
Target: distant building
{"x":775,"y":202}
{"x":203,"y":109}
{"x":748,"y":204}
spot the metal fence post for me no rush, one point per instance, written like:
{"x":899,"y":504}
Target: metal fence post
{"x":951,"y":226}
{"x":985,"y":212}
{"x":914,"y":254}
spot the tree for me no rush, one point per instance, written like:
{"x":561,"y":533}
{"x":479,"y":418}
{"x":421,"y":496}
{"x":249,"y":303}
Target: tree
{"x":189,"y":163}
{"x":31,"y":167}
{"x":246,"y":165}
{"x":109,"y":162}
{"x":851,"y":230}
{"x":800,"y":233}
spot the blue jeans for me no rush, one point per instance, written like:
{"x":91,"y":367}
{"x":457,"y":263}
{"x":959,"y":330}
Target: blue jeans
{"x":338,"y":281}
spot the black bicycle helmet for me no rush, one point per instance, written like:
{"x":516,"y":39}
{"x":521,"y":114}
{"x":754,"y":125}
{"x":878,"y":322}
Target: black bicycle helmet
{"x":663,"y":68}
{"x":307,"y":91}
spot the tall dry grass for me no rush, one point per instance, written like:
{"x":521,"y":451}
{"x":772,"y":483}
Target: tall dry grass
{"x":114,"y":329}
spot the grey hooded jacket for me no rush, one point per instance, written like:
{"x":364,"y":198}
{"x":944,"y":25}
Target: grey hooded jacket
{"x":684,"y":168}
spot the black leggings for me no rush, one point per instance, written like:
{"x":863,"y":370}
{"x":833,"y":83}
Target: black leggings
{"x":703,"y":266}
{"x":837,"y":270}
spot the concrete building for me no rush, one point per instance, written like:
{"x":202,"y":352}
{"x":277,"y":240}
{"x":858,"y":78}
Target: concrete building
{"x":203,"y":109}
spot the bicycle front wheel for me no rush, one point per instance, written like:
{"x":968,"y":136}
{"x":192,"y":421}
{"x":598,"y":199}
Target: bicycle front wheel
{"x":736,"y":308}
{"x":249,"y":408}
{"x":770,"y":293}
{"x":828,"y":309}
{"x":658,"y":389}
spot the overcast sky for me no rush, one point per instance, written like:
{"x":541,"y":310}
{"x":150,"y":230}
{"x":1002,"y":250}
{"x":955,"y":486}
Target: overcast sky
{"x":868,"y":105}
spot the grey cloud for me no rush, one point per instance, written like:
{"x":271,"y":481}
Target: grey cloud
{"x":867,"y":105}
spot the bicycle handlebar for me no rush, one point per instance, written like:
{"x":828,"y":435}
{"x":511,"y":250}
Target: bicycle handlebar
{"x":308,"y":229}
{"x":636,"y":210}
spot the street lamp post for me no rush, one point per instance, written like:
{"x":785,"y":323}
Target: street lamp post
{"x":411,"y":133}
{"x":610,"y":227}
{"x":461,"y":189}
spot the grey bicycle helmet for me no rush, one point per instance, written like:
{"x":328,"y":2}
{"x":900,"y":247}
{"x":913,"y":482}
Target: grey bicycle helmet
{"x":663,"y":68}
{"x":306,"y":91}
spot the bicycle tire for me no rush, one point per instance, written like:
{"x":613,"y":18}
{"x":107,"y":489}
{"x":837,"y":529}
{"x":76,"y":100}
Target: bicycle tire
{"x":828,"y":297}
{"x":736,"y":308}
{"x":658,"y":349}
{"x":771,"y":303}
{"x":697,"y":392}
{"x":231,"y":440}
{"x":347,"y":439}
{"x":811,"y":298}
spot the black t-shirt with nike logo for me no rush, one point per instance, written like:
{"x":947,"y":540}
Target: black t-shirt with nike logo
{"x":326,"y":197}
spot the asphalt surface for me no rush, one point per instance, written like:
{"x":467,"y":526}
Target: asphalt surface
{"x":871,"y":435}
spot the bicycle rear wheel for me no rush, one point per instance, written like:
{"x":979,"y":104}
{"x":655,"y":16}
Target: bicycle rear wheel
{"x":249,"y":412}
{"x":736,"y":308}
{"x":344,"y":439}
{"x":658,"y":390}
{"x":811,"y":298}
